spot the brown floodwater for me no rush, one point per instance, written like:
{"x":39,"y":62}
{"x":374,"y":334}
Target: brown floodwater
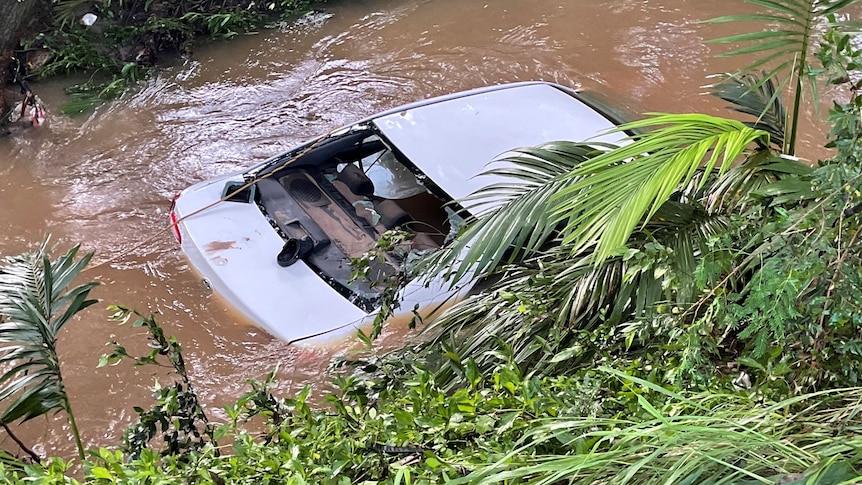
{"x":105,"y":179}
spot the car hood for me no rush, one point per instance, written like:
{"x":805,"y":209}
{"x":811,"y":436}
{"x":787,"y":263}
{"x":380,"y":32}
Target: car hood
{"x":234,"y":248}
{"x":454,"y":140}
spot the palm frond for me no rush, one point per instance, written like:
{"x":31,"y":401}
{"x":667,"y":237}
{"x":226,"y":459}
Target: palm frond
{"x":614,"y":192}
{"x":755,"y":96}
{"x":787,"y":190}
{"x":785,"y":46}
{"x":35,"y":304}
{"x":536,"y":309}
{"x":685,"y":228}
{"x":548,"y":303}
{"x":757,"y":173}
{"x":513,"y":217}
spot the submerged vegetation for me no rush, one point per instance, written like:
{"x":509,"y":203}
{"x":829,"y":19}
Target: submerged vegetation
{"x":681,"y":309}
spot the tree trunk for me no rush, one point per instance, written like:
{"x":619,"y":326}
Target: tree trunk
{"x":20,"y":17}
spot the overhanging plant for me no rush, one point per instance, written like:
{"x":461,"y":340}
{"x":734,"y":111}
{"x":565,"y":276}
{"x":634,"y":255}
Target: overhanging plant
{"x":37,"y":300}
{"x":674,"y":188}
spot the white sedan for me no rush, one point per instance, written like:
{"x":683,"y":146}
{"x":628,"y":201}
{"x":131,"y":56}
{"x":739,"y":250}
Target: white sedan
{"x":276,"y":241}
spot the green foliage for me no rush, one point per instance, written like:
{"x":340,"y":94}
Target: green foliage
{"x":50,"y":472}
{"x":786,"y":47}
{"x":375,"y":431}
{"x":36,"y":302}
{"x":221,"y":25}
{"x":550,"y":301}
{"x":696,"y":251}
{"x":128,"y":36}
{"x":708,"y":438}
{"x":780,"y":272}
{"x":177,"y":414}
{"x":789,"y":309}
{"x":603,"y":426}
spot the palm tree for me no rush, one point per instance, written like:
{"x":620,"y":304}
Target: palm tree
{"x":562,"y":243}
{"x":36,"y":302}
{"x":786,"y":47}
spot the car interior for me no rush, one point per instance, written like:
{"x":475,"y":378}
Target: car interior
{"x":332,"y":204}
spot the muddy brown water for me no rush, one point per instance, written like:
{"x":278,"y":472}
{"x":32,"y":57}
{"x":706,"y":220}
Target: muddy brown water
{"x":105,"y":179}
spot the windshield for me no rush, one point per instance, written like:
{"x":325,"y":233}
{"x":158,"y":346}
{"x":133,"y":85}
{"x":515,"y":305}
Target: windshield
{"x":392,"y":180}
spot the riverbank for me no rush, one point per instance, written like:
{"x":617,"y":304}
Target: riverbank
{"x":116,"y":42}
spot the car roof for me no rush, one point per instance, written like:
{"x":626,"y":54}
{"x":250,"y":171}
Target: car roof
{"x":453,"y":138}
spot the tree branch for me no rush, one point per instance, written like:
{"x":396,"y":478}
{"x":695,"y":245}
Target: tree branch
{"x":36,"y":458}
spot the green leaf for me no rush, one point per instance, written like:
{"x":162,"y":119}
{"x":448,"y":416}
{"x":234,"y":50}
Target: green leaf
{"x":221,"y":432}
{"x":749,"y":362}
{"x":507,"y":420}
{"x":615,"y":192}
{"x":100,"y":472}
{"x":566,"y":354}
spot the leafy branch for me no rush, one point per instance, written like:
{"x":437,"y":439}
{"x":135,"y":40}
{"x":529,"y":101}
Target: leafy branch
{"x":178,"y":414}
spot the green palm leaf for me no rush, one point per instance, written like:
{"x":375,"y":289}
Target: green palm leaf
{"x":35,"y":304}
{"x":513,"y":217}
{"x":757,"y":97}
{"x":504,"y":316}
{"x":612,"y":193}
{"x":543,"y":305}
{"x":786,"y":47}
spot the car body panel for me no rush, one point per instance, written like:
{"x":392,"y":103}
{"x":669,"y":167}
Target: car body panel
{"x":233,"y":247}
{"x":454,"y":140}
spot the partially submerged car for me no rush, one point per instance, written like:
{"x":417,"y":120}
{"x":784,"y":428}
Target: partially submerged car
{"x":276,"y":241}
